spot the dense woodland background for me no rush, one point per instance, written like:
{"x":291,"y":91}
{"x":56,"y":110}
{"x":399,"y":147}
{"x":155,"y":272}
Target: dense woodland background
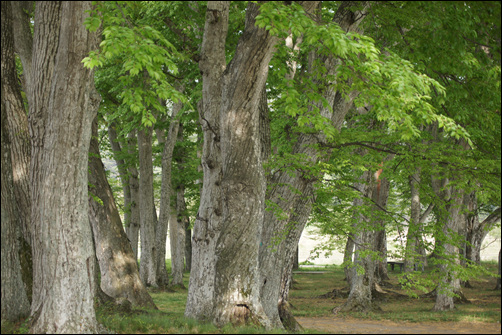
{"x":234,"y":125}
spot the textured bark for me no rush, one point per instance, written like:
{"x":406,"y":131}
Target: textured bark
{"x":449,"y":283}
{"x":167,"y":217}
{"x":243,"y":183}
{"x":148,"y":267}
{"x":134,"y":224}
{"x":15,"y":304}
{"x":200,"y":300}
{"x":119,"y":269}
{"x":20,"y":146}
{"x":63,"y":103}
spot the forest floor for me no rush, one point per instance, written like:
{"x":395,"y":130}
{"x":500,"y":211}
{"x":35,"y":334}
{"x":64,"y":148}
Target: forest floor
{"x":315,"y":294}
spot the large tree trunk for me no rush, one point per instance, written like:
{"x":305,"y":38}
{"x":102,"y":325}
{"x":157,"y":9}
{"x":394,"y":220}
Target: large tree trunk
{"x":63,"y":103}
{"x":15,"y":304}
{"x":243,"y":183}
{"x":148,"y":268}
{"x":119,"y":270}
{"x":206,"y":230}
{"x":20,"y":147}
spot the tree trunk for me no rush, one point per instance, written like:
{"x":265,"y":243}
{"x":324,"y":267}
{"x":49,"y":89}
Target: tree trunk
{"x":497,"y":287}
{"x":15,"y":304}
{"x":132,"y":230}
{"x":63,"y":103}
{"x":121,"y":166}
{"x":243,"y":183}
{"x":119,"y":270}
{"x":148,"y":266}
{"x":200,"y":300}
{"x":476,"y":231}
{"x":167,"y":216}
{"x":449,"y":282}
{"x":293,"y":195}
{"x":382,"y":195}
{"x":20,"y":147}
{"x":413,"y":228}
{"x":362,"y":282}
{"x":348,"y":258}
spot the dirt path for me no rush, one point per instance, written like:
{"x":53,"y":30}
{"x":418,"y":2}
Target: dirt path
{"x":357,"y":326}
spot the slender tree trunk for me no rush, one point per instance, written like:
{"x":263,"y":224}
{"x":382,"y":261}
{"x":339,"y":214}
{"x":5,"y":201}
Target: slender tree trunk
{"x":134,"y":224}
{"x":497,"y":286}
{"x":348,"y":258}
{"x":121,"y":165}
{"x":148,"y":268}
{"x":63,"y":103}
{"x":166,"y":207}
{"x":382,"y":195}
{"x":15,"y":304}
{"x":119,"y":270}
{"x":413,"y":228}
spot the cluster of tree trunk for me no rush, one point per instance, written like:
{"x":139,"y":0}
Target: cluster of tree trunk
{"x":58,"y":208}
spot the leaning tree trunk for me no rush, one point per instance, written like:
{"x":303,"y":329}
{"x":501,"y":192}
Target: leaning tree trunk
{"x":15,"y":304}
{"x":119,"y":270}
{"x":63,"y":103}
{"x":294,"y":194}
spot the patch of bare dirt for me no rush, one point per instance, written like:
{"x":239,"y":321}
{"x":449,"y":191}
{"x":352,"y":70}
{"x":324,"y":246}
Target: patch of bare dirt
{"x":347,"y":325}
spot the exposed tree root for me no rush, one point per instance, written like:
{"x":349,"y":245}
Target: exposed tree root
{"x":288,"y":320}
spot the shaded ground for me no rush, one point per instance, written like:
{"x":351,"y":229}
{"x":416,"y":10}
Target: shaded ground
{"x":347,"y":325}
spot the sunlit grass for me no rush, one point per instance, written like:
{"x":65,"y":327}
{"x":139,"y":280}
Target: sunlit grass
{"x":305,"y":302}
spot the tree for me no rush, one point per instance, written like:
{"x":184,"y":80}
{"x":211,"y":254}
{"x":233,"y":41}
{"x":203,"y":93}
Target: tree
{"x":118,"y":267}
{"x":15,"y":304}
{"x":62,"y":104}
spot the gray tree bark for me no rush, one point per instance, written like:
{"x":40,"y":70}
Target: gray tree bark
{"x":15,"y":304}
{"x":200,"y":300}
{"x":148,"y":266}
{"x":63,"y":103}
{"x":132,"y":230}
{"x":413,"y":228}
{"x":119,"y":269}
{"x":20,"y":146}
{"x":167,"y":216}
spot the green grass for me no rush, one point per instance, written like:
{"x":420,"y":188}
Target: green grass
{"x":304,"y":298}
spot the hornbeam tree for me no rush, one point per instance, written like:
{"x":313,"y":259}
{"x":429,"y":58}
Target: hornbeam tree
{"x":62,"y":104}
